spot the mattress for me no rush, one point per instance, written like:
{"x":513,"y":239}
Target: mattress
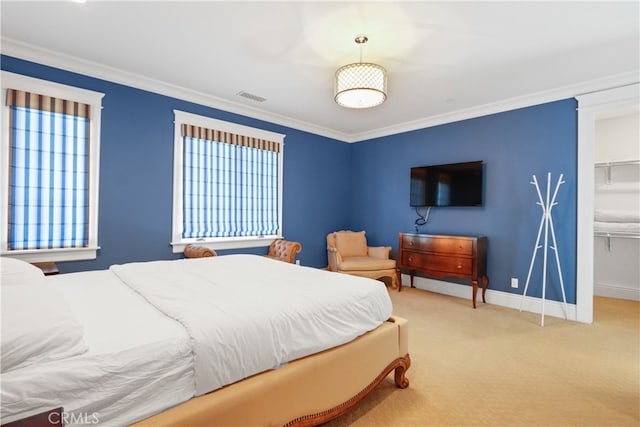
{"x":139,"y":361}
{"x":247,"y":314}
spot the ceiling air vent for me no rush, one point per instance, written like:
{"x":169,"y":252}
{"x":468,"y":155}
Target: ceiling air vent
{"x":251,"y":96}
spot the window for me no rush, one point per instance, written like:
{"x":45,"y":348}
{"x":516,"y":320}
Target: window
{"x":227,"y":190}
{"x":50,"y":147}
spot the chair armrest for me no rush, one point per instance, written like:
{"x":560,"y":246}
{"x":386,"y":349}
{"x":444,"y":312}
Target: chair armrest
{"x":335,"y":259}
{"x":380,"y":252}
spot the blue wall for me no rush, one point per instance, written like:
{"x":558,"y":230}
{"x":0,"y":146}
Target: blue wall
{"x":136,"y":174}
{"x":514,"y":146}
{"x":330,"y":185}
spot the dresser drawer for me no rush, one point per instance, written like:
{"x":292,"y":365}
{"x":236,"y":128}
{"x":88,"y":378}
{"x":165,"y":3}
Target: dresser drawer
{"x":449,"y":245}
{"x":439,"y":263}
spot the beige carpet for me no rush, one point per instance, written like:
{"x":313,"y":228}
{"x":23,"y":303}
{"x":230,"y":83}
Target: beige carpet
{"x":495,"y":366}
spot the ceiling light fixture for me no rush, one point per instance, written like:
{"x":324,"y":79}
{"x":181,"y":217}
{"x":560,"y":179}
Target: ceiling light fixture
{"x":362,"y":84}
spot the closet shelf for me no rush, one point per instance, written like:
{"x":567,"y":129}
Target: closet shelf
{"x":615,"y":234}
{"x":622,"y":235}
{"x":619,"y":187}
{"x":617,"y":163}
{"x":613,"y":163}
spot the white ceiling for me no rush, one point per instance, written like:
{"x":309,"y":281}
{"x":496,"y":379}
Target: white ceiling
{"x":446,"y":60}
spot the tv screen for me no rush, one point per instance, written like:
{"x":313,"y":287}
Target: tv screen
{"x":455,"y":184}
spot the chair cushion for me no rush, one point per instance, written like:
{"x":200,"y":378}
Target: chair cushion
{"x":350,"y":243}
{"x":366,"y":264}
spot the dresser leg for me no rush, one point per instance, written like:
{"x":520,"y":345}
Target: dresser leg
{"x":485,"y":283}
{"x":475,"y":291}
{"x":399,"y":277}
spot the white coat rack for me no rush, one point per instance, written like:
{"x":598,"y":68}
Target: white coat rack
{"x":546,"y":222}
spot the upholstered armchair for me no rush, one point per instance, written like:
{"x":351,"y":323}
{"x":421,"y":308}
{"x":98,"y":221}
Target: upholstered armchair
{"x":348,"y":253}
{"x":194,"y":251}
{"x":284,"y":250}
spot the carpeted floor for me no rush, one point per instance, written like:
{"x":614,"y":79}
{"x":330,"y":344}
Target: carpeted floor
{"x":495,"y":366}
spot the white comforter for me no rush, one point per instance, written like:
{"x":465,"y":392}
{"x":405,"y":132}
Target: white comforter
{"x":139,"y":361}
{"x":246,"y":314}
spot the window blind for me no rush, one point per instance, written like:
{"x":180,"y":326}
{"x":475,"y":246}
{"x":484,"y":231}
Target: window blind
{"x":49,"y":172}
{"x":230,"y":184}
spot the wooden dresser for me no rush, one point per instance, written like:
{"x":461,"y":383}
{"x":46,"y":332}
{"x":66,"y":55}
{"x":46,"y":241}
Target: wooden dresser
{"x":444,"y":256}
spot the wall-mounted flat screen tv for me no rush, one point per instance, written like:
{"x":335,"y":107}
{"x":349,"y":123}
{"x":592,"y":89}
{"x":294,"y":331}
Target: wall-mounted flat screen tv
{"x":454,"y":184}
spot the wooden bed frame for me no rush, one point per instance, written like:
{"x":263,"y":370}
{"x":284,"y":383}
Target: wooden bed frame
{"x":305,"y":392}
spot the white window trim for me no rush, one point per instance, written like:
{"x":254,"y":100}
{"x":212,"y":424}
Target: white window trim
{"x":178,"y":243}
{"x":94,"y":100}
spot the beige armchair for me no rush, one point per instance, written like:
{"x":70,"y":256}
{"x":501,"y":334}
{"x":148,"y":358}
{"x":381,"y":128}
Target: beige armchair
{"x":348,"y":253}
{"x":284,"y":250}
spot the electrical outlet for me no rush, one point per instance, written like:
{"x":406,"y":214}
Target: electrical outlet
{"x":514,"y":282}
{"x":297,"y":262}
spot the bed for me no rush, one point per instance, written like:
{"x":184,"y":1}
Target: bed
{"x":228,"y":340}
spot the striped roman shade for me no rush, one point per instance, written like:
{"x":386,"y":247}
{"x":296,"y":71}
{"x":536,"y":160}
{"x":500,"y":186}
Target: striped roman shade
{"x":49,"y":172}
{"x":230,"y":184}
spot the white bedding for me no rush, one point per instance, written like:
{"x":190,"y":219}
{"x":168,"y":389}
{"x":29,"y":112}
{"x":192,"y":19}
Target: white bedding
{"x":247,"y":314}
{"x":617,"y":215}
{"x":37,"y":326}
{"x":617,"y":227}
{"x":139,"y":361}
{"x":238,"y":315}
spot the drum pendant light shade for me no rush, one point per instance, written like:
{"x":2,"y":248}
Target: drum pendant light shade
{"x":361,"y":84}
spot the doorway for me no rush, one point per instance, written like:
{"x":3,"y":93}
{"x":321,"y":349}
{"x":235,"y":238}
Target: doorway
{"x":590,"y":107}
{"x":617,"y":204}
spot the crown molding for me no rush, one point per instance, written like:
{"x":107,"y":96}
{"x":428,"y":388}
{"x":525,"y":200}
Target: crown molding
{"x":29,"y":52}
{"x":55,"y":59}
{"x":569,"y":91}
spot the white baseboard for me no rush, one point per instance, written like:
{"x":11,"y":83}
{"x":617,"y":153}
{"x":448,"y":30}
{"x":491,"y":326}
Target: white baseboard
{"x":505,"y":299}
{"x":617,"y":291}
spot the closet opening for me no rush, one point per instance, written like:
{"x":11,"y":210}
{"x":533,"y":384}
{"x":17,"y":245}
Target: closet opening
{"x":617,"y":204}
{"x":606,"y":115}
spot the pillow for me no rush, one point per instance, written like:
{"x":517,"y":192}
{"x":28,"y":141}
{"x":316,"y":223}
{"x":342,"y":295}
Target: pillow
{"x":37,"y":327}
{"x":351,"y":243}
{"x":16,"y":272}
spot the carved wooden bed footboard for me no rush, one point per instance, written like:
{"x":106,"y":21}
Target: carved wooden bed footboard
{"x":400,"y":365}
{"x":305,"y":392}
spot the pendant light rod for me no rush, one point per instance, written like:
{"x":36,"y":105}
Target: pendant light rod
{"x":361,"y":39}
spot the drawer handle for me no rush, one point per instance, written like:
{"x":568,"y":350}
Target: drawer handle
{"x":410,"y":242}
{"x":459,"y":265}
{"x":410,"y":259}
